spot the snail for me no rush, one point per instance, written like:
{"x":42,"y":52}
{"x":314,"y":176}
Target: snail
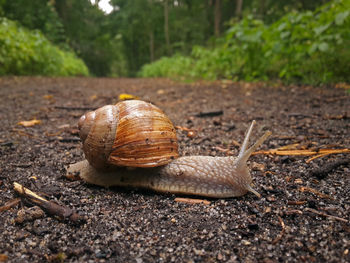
{"x":133,"y":144}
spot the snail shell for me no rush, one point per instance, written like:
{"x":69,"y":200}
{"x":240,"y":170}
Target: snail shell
{"x":131,"y":133}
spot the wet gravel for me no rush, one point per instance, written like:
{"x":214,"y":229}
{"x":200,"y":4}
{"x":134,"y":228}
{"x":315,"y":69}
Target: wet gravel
{"x":301,"y":217}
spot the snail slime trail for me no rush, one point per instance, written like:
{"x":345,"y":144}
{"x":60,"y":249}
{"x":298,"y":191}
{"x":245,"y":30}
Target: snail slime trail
{"x":138,"y":134}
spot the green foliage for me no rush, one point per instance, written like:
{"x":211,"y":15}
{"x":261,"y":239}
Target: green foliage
{"x":91,"y":36}
{"x":38,"y":14}
{"x":24,"y":52}
{"x":175,"y":66}
{"x":309,"y":47}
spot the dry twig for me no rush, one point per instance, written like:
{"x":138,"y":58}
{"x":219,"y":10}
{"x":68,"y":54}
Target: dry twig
{"x":291,"y":150}
{"x":50,"y":207}
{"x":73,"y":108}
{"x":326,"y":215}
{"x":10,"y":204}
{"x":306,"y":152}
{"x":327,"y":168}
{"x":296,"y":202}
{"x":192,"y":201}
{"x":280,"y":235}
{"x":314,"y":191}
{"x":210,"y":113}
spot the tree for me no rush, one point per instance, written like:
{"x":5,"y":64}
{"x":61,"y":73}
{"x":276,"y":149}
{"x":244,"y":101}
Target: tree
{"x":166,"y":26}
{"x":217,"y":17}
{"x":239,"y":5}
{"x":39,"y":14}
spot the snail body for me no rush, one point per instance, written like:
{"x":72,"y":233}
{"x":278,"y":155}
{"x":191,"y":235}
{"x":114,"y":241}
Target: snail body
{"x":217,"y":177}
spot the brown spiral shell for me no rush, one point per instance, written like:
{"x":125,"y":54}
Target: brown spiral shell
{"x":131,"y":133}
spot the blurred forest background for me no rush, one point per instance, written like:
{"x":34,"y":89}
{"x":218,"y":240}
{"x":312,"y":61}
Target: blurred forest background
{"x":298,"y":41}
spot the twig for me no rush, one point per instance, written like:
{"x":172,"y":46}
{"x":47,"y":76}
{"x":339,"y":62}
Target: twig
{"x":298,"y":114}
{"x":337,"y":117}
{"x":223,"y":150}
{"x":316,"y":157}
{"x":280,"y":235}
{"x":286,"y":152}
{"x":22,"y":165}
{"x":337,"y":98}
{"x":307,"y":209}
{"x":320,"y":153}
{"x":10,"y":204}
{"x":74,"y":108}
{"x":326,"y":215}
{"x":50,"y":207}
{"x":192,"y":201}
{"x":293,"y":212}
{"x":323,"y":171}
{"x":70,"y":139}
{"x":7,"y":143}
{"x":314,"y":191}
{"x":23,"y":133}
{"x":296,"y":202}
{"x":327,"y":152}
{"x":212,"y":113}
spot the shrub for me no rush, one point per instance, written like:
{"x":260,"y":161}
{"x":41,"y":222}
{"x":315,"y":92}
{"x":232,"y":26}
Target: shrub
{"x":308,"y":47}
{"x":24,"y":52}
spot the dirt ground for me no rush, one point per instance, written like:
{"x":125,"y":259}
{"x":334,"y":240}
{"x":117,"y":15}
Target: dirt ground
{"x":302,"y":216}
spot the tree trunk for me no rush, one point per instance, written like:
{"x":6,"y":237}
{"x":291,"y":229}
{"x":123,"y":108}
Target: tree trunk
{"x":166,"y":27}
{"x":151,"y":46}
{"x":217,"y":17}
{"x":239,"y":4}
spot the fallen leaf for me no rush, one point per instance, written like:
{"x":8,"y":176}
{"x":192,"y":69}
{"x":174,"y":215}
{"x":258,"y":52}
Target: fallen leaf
{"x":48,"y":97}
{"x":93,"y":97}
{"x":342,"y":86}
{"x":125,"y":96}
{"x":29,"y":123}
{"x":3,"y":257}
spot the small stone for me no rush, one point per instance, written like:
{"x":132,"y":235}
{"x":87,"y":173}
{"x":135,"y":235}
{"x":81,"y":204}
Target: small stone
{"x":258,"y":166}
{"x":246,"y":242}
{"x":198,"y":252}
{"x":219,"y":257}
{"x":298,"y":181}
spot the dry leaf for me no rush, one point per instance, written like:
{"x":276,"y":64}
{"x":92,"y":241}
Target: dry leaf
{"x":125,"y":96}
{"x":342,"y":86}
{"x":3,"y":257}
{"x":29,"y":123}
{"x":93,"y":97}
{"x":48,"y":97}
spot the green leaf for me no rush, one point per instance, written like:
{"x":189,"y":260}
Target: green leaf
{"x":282,"y":26}
{"x":340,"y":18}
{"x":324,"y":47}
{"x":285,"y":34}
{"x":319,"y":30}
{"x":313,"y":48}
